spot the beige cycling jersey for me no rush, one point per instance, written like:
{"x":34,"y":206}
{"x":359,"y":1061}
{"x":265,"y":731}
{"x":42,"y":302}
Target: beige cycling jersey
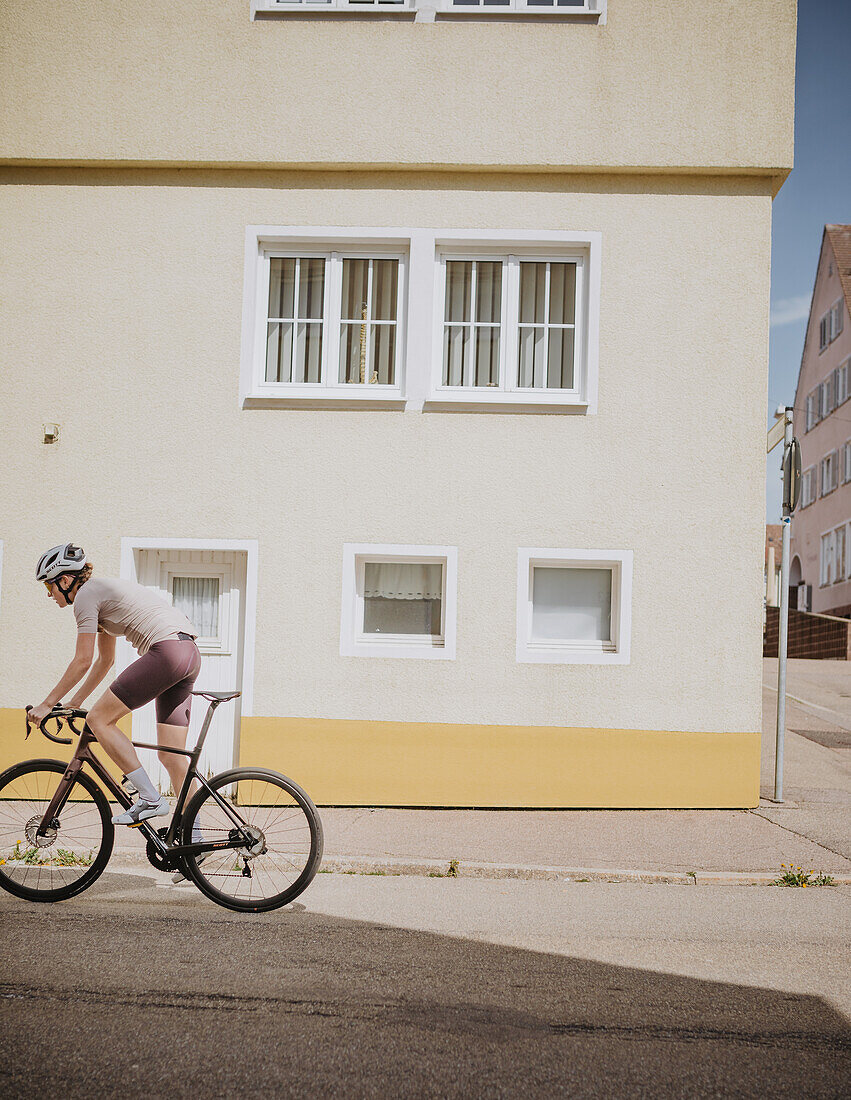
{"x":122,"y":607}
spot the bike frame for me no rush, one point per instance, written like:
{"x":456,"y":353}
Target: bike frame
{"x":166,"y":846}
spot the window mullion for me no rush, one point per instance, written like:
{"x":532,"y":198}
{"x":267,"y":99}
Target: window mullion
{"x":468,"y":374}
{"x":333,"y":319}
{"x":296,"y":295}
{"x":511,"y":328}
{"x":368,"y":321}
{"x":545,"y":369}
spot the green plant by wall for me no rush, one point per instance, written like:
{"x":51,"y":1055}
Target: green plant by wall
{"x":794,"y":876}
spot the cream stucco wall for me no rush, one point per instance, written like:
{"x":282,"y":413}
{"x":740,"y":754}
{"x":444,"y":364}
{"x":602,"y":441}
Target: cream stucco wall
{"x":665,"y":85}
{"x":121,"y":319}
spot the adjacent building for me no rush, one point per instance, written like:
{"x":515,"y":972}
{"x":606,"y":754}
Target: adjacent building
{"x":821,"y":528}
{"x":389,"y":340}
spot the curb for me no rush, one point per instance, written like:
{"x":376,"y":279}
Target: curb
{"x":439,"y":868}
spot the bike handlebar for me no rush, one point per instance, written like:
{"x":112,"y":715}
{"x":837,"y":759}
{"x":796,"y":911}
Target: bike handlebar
{"x":57,"y":715}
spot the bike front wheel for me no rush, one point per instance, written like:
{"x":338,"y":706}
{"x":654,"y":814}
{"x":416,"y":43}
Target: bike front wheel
{"x":76,"y":846}
{"x":282,"y":824}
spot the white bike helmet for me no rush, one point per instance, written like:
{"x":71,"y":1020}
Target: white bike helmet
{"x":66,"y":558}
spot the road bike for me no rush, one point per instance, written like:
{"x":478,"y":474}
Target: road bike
{"x":260,"y":843}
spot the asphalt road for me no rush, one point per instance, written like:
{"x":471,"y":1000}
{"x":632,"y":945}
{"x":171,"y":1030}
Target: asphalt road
{"x":407,"y":987}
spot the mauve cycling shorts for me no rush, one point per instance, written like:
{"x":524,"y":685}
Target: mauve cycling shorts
{"x":167,"y":673}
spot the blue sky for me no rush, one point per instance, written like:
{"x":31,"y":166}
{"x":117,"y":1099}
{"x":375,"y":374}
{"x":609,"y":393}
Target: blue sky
{"x":817,"y":192}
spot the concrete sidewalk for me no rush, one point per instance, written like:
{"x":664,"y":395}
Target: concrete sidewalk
{"x":810,"y":830}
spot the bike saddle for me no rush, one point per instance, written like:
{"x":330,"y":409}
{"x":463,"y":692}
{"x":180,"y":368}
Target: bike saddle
{"x":218,"y":696}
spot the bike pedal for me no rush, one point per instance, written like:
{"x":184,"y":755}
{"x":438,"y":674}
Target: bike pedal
{"x":136,"y":825}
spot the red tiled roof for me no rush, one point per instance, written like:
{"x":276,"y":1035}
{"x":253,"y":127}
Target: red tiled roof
{"x":840,"y":241}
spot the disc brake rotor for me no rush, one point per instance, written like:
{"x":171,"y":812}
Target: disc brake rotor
{"x":43,"y":840}
{"x":258,"y":845}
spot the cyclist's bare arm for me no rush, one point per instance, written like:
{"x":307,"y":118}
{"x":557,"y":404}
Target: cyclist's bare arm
{"x":76,"y":670}
{"x":103,"y":663}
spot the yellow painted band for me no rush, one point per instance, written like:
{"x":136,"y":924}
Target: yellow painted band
{"x":353,"y":763}
{"x":340,"y":762}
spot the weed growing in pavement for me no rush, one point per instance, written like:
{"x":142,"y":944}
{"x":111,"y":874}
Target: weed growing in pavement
{"x":794,"y":876}
{"x":693,"y":876}
{"x":54,"y":857}
{"x":450,"y":872}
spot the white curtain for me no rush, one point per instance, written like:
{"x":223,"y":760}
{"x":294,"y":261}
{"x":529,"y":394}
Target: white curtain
{"x":403,"y":581}
{"x":198,"y":599}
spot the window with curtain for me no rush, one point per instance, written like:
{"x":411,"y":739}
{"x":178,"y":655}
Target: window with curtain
{"x":332,"y":320}
{"x":402,"y":598}
{"x":368,"y":321}
{"x":509,"y":323}
{"x":571,"y":604}
{"x":198,"y":599}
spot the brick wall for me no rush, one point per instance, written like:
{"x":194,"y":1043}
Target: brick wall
{"x":820,"y":637}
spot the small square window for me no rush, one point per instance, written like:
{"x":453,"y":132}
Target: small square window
{"x":398,"y":601}
{"x":573,"y":606}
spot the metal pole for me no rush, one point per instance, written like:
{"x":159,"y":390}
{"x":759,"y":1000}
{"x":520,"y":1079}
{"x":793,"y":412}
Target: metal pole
{"x":783,"y":639}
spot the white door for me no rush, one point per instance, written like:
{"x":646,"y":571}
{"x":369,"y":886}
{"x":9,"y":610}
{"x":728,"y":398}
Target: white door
{"x":209,"y":587}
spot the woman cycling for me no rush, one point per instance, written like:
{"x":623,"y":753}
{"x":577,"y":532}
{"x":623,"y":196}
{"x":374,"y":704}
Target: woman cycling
{"x":167,"y":668}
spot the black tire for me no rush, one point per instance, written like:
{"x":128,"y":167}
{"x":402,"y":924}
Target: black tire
{"x":88,"y":837}
{"x":292,"y":841}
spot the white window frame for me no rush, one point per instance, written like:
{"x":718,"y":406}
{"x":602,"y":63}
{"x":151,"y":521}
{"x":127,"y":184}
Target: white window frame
{"x":843,"y":382}
{"x":617,"y":652}
{"x":812,"y":408}
{"x":827,"y":554}
{"x":826,"y":405}
{"x":840,"y":553}
{"x":419,"y":343}
{"x":829,"y":473}
{"x":846,"y":463}
{"x":216,"y":645}
{"x":837,"y":319}
{"x":354,"y":643}
{"x":329,"y":388}
{"x":583,"y":250}
{"x":808,"y":485}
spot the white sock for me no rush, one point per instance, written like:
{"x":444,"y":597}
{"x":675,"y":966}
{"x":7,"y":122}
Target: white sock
{"x":140,"y":780}
{"x":197,"y":835}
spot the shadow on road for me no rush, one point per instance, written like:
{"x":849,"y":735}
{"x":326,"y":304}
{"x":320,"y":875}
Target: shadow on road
{"x":121,"y":992}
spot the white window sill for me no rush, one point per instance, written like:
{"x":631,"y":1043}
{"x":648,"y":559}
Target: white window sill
{"x":426,"y":11}
{"x":483,"y":400}
{"x":554,"y":15}
{"x":536,"y":653}
{"x":421,"y":650}
{"x":262,"y":10}
{"x":316,"y":397}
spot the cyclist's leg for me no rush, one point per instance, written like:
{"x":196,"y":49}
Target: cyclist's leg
{"x":102,"y":720}
{"x":174,"y":706}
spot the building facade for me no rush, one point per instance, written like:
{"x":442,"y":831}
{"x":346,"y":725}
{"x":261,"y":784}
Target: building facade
{"x":820,"y":571}
{"x":391,"y":347}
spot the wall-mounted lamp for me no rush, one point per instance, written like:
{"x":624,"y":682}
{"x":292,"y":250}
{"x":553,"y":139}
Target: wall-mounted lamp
{"x":51,"y":433}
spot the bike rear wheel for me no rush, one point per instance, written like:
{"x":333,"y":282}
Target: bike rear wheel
{"x":287,"y":835}
{"x":76,"y":848}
